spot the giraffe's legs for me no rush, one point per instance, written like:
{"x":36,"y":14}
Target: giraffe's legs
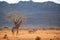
{"x":17,"y":31}
{"x":13,"y":30}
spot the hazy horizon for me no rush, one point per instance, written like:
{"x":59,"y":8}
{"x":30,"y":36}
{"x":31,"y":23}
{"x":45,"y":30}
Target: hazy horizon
{"x":16,"y":1}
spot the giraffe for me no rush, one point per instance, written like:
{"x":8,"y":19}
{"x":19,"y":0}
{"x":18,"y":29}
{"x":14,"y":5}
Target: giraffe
{"x":17,"y":23}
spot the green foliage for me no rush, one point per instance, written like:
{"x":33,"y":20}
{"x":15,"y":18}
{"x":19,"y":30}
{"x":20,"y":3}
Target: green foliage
{"x":6,"y":27}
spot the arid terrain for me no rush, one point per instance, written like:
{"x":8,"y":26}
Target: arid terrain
{"x":25,"y":34}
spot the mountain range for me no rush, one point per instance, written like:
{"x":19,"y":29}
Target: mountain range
{"x":42,"y":14}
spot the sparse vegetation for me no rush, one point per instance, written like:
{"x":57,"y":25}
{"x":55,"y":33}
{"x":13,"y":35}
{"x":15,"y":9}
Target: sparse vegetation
{"x":24,"y":35}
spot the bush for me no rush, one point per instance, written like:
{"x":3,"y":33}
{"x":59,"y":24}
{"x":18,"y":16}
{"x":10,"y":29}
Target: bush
{"x":38,"y":38}
{"x":6,"y":27}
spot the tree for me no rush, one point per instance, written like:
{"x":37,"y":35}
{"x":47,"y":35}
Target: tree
{"x":16,"y":18}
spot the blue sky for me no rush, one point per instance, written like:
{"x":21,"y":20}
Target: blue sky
{"x":16,"y":1}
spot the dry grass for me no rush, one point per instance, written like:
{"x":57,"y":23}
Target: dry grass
{"x":27,"y":35}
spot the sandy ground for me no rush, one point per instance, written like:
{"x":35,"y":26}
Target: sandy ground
{"x":27,"y":35}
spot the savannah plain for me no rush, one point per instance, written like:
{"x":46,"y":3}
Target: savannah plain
{"x":30,"y":34}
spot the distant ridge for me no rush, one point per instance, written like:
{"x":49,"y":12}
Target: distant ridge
{"x":42,"y":14}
